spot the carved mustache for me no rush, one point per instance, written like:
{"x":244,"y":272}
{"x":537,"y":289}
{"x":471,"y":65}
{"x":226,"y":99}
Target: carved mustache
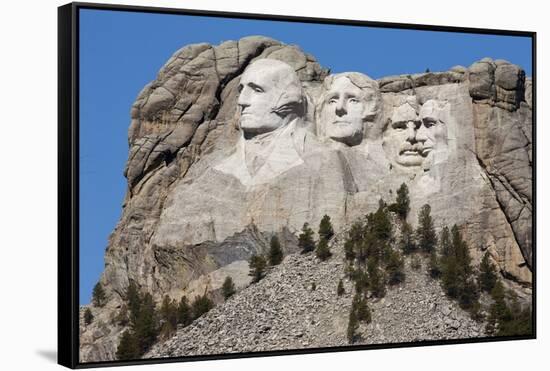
{"x":417,"y":147}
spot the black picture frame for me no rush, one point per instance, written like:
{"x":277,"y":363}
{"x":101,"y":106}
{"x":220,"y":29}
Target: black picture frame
{"x":68,"y":179}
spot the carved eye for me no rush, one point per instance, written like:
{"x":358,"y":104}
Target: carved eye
{"x":399,"y":125}
{"x":240,"y":88}
{"x":256,"y":88}
{"x":332,"y":101}
{"x":353,"y":100}
{"x":428,"y":123}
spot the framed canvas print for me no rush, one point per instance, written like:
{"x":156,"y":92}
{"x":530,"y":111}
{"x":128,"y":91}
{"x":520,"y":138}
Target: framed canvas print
{"x":235,"y":185}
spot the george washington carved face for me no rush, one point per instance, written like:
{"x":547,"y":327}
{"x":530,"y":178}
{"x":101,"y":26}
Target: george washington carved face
{"x":270,"y":95}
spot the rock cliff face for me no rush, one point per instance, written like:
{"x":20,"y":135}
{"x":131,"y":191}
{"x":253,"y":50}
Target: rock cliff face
{"x":189,"y":219}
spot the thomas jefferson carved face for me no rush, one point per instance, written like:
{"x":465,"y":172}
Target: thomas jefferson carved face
{"x":350,"y":99}
{"x":270,"y":96}
{"x":414,"y":134}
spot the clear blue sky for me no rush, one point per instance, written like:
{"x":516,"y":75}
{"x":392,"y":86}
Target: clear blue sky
{"x":120,"y":52}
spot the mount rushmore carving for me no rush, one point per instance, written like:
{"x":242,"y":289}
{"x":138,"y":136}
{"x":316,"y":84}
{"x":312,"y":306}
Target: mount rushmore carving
{"x":233,"y":143}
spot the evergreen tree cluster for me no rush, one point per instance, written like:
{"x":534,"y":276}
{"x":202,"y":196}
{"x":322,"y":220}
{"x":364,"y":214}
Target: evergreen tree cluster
{"x":424,"y":238}
{"x":147,"y":323}
{"x":258,"y":263}
{"x":372,"y":263}
{"x":450,"y":261}
{"x":506,"y":316}
{"x":457,"y":274}
{"x":307,"y":243}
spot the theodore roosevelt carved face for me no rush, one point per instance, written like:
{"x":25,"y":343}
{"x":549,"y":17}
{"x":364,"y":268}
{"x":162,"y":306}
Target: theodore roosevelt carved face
{"x":349,"y":100}
{"x":270,"y":96}
{"x":414,"y":133}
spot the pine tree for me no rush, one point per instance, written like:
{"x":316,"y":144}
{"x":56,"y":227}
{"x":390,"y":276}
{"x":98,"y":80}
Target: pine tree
{"x":487,"y":274}
{"x":363,"y":313}
{"x":520,"y":320}
{"x":133,"y":298}
{"x":425,"y":233}
{"x":379,"y":223}
{"x":228,"y":288}
{"x":201,"y":305}
{"x":457,"y":273}
{"x":416,"y":264}
{"x":394,"y":268}
{"x":185,"y":317}
{"x":340,"y":290}
{"x":323,"y":251}
{"x":275,"y":251}
{"x":356,"y":233}
{"x":353,"y":326}
{"x":361,"y":279}
{"x":368,"y":247}
{"x":305,"y":240}
{"x":146,"y":328}
{"x":121,"y":318}
{"x":128,"y":347}
{"x":498,"y":311}
{"x":169,"y":313}
{"x":445,"y":242}
{"x":98,"y":295}
{"x":402,"y":202}
{"x":349,"y":250}
{"x":434,"y":266}
{"x":461,"y":252}
{"x":88,"y":317}
{"x":325,"y":228}
{"x":257,"y":265}
{"x":406,"y":241}
{"x":377,"y":284}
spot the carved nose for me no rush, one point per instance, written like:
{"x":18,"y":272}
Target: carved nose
{"x":341,"y":109}
{"x":243,"y":99}
{"x":421,"y":134}
{"x":411,"y":132}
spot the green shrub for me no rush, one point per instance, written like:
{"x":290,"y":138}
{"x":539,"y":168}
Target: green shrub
{"x":228,"y":288}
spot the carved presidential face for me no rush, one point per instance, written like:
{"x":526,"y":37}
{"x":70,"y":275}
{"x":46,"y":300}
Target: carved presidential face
{"x":349,"y":101}
{"x":342,"y":112}
{"x":433,"y":132}
{"x":269,"y":92}
{"x":414,"y":134}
